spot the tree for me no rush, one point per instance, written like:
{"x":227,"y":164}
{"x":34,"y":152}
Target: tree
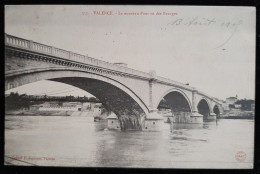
{"x":245,"y":104}
{"x":231,"y":106}
{"x":16,"y":101}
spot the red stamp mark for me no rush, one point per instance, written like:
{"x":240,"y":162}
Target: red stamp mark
{"x":241,"y":156}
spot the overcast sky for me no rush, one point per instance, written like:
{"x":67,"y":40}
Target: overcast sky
{"x":211,"y":48}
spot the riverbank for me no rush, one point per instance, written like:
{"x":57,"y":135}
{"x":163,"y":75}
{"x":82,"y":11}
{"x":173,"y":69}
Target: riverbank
{"x":238,"y":114}
{"x":41,"y":113}
{"x":236,"y":117}
{"x":88,"y":113}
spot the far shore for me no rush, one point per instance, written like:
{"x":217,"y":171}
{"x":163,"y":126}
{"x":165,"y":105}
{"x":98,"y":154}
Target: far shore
{"x":87,"y":113}
{"x":90,"y":113}
{"x":238,"y":114}
{"x":39,"y":113}
{"x":236,"y":117}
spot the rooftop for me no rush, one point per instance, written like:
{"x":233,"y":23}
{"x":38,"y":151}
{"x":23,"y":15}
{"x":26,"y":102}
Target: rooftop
{"x":112,"y":116}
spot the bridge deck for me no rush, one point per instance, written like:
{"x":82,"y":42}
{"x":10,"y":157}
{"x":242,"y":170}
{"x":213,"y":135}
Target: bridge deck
{"x":32,"y":46}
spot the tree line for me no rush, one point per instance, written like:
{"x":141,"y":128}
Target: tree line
{"x":246,"y":105}
{"x":16,"y":101}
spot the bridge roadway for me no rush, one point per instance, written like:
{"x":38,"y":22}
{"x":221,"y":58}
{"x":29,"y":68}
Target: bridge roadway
{"x":132,"y":95}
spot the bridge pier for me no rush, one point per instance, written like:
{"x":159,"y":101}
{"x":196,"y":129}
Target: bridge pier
{"x":113,"y":123}
{"x":187,"y":118}
{"x":196,"y":118}
{"x":211,"y":116}
{"x":130,"y":122}
{"x":153,"y":122}
{"x":124,"y":122}
{"x":167,"y":118}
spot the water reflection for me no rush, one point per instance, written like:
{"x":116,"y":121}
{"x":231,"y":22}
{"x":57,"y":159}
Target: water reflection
{"x":186,"y":126}
{"x":79,"y":141}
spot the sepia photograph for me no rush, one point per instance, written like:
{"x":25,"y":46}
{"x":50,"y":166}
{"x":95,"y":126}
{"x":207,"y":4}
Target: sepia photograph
{"x":130,"y":86}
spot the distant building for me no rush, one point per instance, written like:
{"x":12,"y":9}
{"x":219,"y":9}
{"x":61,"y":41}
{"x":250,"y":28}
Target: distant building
{"x":50,"y":104}
{"x":90,"y":106}
{"x":97,"y":108}
{"x":56,"y":106}
{"x":86,"y":106}
{"x":231,"y":100}
{"x":35,"y":107}
{"x":225,"y":106}
{"x":70,"y":104}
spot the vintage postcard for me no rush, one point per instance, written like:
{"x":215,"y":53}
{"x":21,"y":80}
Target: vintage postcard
{"x":130,"y":86}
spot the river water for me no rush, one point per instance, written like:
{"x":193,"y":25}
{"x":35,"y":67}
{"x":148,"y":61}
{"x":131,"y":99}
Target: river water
{"x":79,"y":141}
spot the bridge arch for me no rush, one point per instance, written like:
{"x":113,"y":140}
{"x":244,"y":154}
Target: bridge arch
{"x":129,"y":108}
{"x":179,"y":104}
{"x":204,"y":107}
{"x":171,"y":91}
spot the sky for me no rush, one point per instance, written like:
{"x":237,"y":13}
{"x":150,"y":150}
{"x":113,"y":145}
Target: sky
{"x":211,"y":48}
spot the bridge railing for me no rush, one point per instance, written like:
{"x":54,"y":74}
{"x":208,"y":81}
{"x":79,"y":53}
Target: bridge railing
{"x":57,"y":52}
{"x":40,"y":48}
{"x":60,"y":53}
{"x":209,"y":96}
{"x":174,"y":82}
{"x":77,"y":57}
{"x":18,"y":42}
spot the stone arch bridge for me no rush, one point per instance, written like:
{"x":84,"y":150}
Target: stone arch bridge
{"x":132,"y":95}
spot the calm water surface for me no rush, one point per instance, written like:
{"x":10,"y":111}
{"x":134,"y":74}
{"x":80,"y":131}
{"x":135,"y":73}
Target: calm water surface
{"x":78,"y":141}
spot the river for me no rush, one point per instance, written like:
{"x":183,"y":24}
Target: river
{"x":79,"y":141}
